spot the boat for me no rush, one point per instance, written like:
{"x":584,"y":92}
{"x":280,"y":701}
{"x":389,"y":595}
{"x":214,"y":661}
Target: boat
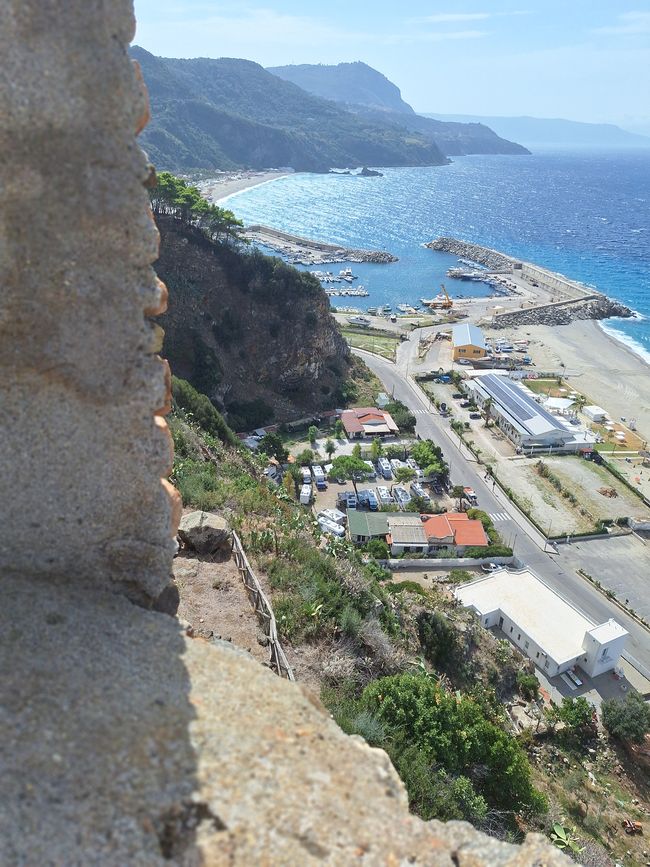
{"x":407,"y":308}
{"x":372,"y":311}
{"x":362,"y":321}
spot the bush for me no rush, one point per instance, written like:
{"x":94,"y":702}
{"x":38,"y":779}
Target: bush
{"x":378,"y":549}
{"x":402,"y":416}
{"x":437,"y":638}
{"x":627,"y":720}
{"x":460,"y":576}
{"x":407,"y":586}
{"x":201,"y":410}
{"x":528,"y":685}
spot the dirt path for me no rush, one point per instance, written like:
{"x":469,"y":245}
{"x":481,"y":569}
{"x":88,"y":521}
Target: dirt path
{"x":214,"y":601}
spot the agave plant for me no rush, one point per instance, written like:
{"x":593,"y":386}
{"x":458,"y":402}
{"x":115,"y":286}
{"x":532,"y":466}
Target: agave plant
{"x":564,"y":838}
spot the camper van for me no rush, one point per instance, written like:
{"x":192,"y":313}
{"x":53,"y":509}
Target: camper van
{"x":319,"y":478}
{"x":383,"y":465}
{"x":384,"y":497}
{"x":418,"y":491}
{"x":410,"y":462}
{"x":402,"y":496}
{"x":305,"y":494}
{"x":306,"y":475}
{"x":396,"y":464}
{"x":334,"y":515}
{"x":330,"y":527}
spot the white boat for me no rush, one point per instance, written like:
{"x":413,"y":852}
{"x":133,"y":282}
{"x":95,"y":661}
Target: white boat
{"x":362,"y":321}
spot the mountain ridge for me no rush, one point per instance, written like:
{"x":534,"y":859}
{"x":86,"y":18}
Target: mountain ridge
{"x":367,"y":93}
{"x":230,"y":113}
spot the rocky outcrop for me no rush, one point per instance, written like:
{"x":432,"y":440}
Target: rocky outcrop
{"x":131,"y":743}
{"x":474,"y":252}
{"x":205,"y":533}
{"x":252,"y":333}
{"x":370,"y":173}
{"x":563,"y":313}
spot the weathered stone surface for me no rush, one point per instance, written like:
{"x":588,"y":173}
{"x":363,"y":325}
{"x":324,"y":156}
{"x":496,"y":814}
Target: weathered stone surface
{"x":82,"y":456}
{"x":205,"y":533}
{"x":125,"y":742}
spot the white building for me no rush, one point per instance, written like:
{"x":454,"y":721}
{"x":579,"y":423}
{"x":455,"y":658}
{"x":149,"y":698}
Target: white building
{"x":543,"y":625}
{"x":595,"y":413}
{"x":527,"y":424}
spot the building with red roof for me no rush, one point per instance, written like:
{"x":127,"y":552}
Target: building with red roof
{"x":368,"y":421}
{"x":454,"y":530}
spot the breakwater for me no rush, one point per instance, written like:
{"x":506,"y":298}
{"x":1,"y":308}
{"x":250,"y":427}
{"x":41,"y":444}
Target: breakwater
{"x":304,"y":251}
{"x":596,"y":306}
{"x":492,"y":259}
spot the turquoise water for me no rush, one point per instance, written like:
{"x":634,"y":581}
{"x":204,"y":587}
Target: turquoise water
{"x":584,"y":214}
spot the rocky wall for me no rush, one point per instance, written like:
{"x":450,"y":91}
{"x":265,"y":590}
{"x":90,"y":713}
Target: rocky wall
{"x":82,"y":445}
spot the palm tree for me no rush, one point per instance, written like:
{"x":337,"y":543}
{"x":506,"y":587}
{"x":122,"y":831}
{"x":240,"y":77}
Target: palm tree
{"x":458,"y":492}
{"x":330,"y":447}
{"x":487,"y":409}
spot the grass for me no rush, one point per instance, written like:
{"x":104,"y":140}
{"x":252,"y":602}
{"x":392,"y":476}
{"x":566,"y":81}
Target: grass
{"x":380,"y":344}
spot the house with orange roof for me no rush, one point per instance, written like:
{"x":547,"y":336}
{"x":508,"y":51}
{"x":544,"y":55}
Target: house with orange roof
{"x":368,"y":421}
{"x":454,"y":530}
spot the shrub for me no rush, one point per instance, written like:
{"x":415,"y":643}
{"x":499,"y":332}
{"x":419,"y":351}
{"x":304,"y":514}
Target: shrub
{"x":378,"y":549}
{"x":407,"y":586}
{"x":202,"y":410}
{"x":627,"y":720}
{"x":460,"y":576}
{"x":437,"y":637}
{"x":528,"y":685}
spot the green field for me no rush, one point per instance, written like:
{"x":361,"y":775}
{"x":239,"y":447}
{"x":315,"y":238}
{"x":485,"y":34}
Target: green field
{"x":381,"y":344}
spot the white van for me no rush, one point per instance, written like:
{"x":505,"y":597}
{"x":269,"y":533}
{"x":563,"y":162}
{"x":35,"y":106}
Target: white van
{"x":305,"y":495}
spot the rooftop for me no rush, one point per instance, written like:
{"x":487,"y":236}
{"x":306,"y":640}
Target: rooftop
{"x":367,"y":523}
{"x":406,"y":529}
{"x":466,"y":334}
{"x":548,"y":619}
{"x":368,"y":419}
{"x":519,"y":404}
{"x":464,"y":530}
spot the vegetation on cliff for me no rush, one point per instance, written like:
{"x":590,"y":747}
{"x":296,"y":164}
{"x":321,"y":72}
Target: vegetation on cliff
{"x":223,"y":114}
{"x":249,"y":331}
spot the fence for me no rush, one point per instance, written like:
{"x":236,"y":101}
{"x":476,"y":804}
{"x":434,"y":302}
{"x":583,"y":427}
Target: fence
{"x":450,"y":563}
{"x":277,"y":658}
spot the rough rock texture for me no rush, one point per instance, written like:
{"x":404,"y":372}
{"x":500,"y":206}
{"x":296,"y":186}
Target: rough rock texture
{"x":252,"y":333}
{"x":474,"y":252}
{"x":81,"y":456}
{"x":132,"y":744}
{"x":205,"y":533}
{"x":600,"y":307}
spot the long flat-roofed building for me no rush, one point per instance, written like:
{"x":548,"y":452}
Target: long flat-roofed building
{"x":543,"y":625}
{"x":523,"y":420}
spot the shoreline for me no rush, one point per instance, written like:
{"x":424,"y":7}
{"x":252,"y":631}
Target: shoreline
{"x":219,"y":189}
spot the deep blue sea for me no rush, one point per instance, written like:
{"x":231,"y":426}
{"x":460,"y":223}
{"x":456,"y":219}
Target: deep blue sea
{"x":585,"y":214}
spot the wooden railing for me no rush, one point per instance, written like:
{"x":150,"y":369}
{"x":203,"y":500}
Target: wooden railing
{"x":263,"y":609}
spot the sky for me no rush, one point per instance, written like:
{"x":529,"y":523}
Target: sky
{"x":585,"y":60}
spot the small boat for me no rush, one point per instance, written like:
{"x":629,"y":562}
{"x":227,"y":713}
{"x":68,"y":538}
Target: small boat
{"x":372,"y":311}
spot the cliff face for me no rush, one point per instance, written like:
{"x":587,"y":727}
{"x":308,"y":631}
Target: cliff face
{"x":252,"y":333}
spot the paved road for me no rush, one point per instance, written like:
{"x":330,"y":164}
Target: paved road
{"x":556,"y":569}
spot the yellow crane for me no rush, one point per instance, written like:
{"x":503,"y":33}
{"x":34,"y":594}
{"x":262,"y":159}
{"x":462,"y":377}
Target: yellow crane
{"x":442,"y":301}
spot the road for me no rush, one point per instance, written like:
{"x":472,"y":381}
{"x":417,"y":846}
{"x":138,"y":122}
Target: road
{"x":513,"y":527}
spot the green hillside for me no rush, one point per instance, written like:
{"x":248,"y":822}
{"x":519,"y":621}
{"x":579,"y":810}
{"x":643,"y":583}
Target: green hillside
{"x":229,"y":113}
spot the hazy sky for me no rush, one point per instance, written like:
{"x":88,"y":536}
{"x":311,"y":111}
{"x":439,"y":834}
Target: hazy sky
{"x":580,"y":59}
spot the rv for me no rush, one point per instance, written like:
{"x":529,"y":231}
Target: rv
{"x":371,"y":472}
{"x":418,"y":491}
{"x":330,"y":527}
{"x":306,"y":475}
{"x":319,"y":478}
{"x":402,"y":496}
{"x":334,"y":515}
{"x":305,"y":495}
{"x":373,"y":503}
{"x":395,"y":464}
{"x":384,"y":497}
{"x":383,"y":466}
{"x":415,"y":467}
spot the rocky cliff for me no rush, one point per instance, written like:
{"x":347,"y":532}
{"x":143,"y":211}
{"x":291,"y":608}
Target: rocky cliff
{"x":252,"y":333}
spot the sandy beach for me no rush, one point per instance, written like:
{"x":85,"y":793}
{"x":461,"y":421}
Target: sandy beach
{"x":597,"y":365}
{"x":221,"y":186}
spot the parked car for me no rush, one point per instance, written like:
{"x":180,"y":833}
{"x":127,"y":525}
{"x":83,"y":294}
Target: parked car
{"x":458,"y":395}
{"x":475,"y":415}
{"x":490,"y":567}
{"x":437,"y":488}
{"x":465,"y":403}
{"x":464,"y":361}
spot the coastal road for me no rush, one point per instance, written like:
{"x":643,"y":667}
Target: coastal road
{"x":513,"y":527}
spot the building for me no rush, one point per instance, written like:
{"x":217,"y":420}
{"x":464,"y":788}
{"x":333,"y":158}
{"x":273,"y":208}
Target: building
{"x":527,"y":424}
{"x":368,"y":421}
{"x":595,"y":413}
{"x":543,"y":625}
{"x":364,"y":526}
{"x":454,"y":530}
{"x":467,"y":341}
{"x":406,"y":533}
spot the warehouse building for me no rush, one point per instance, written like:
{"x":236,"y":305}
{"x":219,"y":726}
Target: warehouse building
{"x":543,"y":625}
{"x":467,"y":341}
{"x":527,"y":424}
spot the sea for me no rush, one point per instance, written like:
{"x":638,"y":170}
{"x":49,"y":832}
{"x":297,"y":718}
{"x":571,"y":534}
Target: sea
{"x":584,"y":214}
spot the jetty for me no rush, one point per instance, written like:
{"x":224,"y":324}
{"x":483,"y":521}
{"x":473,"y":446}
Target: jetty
{"x":304,"y":251}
